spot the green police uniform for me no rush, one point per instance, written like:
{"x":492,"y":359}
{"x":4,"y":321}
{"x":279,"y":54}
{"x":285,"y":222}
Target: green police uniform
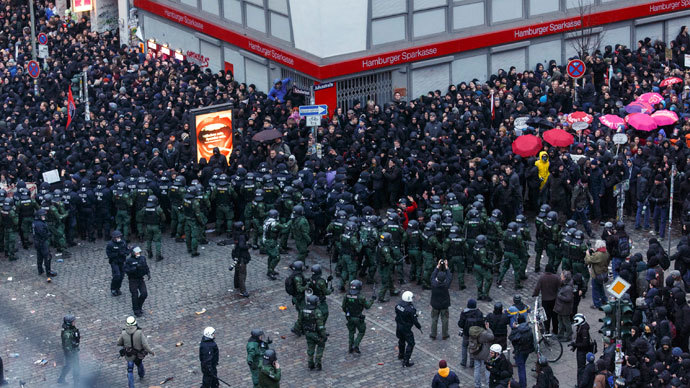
{"x":26,"y":206}
{"x":286,"y":206}
{"x":335,"y":229}
{"x":256,"y":213}
{"x":301,"y":233}
{"x":224,"y":197}
{"x":151,"y":219}
{"x":482,"y":272}
{"x":513,"y":244}
{"x":353,"y":306}
{"x":474,"y":226}
{"x":58,"y":213}
{"x":123,"y":206}
{"x":272,"y":229}
{"x":301,"y":284}
{"x":454,"y":248}
{"x":552,"y":233}
{"x":386,"y":264}
{"x":269,"y":377}
{"x":204,"y":198}
{"x":541,"y":239}
{"x":458,"y":213}
{"x":10,"y":224}
{"x":413,"y":241}
{"x":349,"y":248}
{"x":494,"y":234}
{"x":193,"y":223}
{"x":177,"y":222}
{"x":396,"y":232}
{"x":368,"y":235}
{"x":255,"y":357}
{"x":319,"y":287}
{"x":431,"y":250}
{"x":524,"y":253}
{"x":315,"y":331}
{"x":578,"y":251}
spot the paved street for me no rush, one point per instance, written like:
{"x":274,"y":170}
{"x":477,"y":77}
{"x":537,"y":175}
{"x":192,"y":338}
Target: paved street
{"x":181,"y":287}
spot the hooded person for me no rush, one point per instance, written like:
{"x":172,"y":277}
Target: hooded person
{"x":445,"y":378}
{"x":543,"y":166}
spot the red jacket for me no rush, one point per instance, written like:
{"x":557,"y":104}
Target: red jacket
{"x":407,"y":213}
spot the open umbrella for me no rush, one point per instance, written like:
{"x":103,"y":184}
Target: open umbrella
{"x":639,"y":107}
{"x":579,"y":117}
{"x":612,"y":121}
{"x":558,"y":138}
{"x":651,"y":98}
{"x":267,"y":135}
{"x":670,"y":81}
{"x":526,"y":145}
{"x":642,"y":122}
{"x":665,"y":117}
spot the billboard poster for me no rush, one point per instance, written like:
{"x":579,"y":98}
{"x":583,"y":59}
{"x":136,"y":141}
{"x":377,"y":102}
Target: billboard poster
{"x":81,"y":5}
{"x":213,"y":128}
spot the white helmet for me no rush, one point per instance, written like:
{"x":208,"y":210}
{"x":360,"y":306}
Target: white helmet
{"x":407,"y":296}
{"x":131,"y":321}
{"x":209,"y":332}
{"x":579,"y":319}
{"x":496,"y":348}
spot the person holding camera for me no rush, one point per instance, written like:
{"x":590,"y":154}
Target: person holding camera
{"x":134,"y":349}
{"x":440,"y":298}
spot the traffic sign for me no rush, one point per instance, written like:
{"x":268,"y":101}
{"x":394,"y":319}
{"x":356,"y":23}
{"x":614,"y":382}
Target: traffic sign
{"x":618,"y":287}
{"x":34,"y":69}
{"x":576,"y":68}
{"x":313,"y":121}
{"x":313,"y":110}
{"x":42,"y":38}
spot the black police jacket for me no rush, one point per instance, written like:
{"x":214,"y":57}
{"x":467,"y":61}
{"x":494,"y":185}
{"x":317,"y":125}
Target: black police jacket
{"x":208,"y":354}
{"x":406,"y":316}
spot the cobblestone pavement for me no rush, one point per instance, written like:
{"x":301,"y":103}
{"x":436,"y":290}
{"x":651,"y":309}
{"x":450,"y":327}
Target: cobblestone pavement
{"x":181,"y":287}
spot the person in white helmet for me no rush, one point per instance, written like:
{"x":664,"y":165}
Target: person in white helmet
{"x":134,"y":349}
{"x":405,"y":318}
{"x":208,"y":356}
{"x":500,"y":370}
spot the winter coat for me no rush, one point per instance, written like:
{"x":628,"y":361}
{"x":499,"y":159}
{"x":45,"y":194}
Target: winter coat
{"x":485,"y":339}
{"x":500,"y":371}
{"x":547,"y":285}
{"x":440,"y":297}
{"x":599,"y":261}
{"x":587,"y":376}
{"x":564,"y":299}
{"x":133,"y":334}
{"x":208,"y":355}
{"x":445,"y":378}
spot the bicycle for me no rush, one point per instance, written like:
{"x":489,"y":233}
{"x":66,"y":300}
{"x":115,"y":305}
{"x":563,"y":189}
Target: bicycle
{"x":546,"y":344}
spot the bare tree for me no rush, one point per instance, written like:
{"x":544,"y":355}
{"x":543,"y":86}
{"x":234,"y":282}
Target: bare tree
{"x":586,"y":40}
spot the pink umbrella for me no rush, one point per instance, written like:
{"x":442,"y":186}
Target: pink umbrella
{"x":639,"y":107}
{"x":612,"y":121}
{"x":642,"y":122}
{"x":651,"y":98}
{"x":670,"y":81}
{"x":665,"y":117}
{"x":579,"y":117}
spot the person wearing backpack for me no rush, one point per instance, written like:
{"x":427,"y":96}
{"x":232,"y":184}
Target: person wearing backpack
{"x":603,"y":376}
{"x":480,"y":340}
{"x":545,"y":376}
{"x":470,"y":316}
{"x":523,"y":343}
{"x":445,"y":378}
{"x":136,"y":268}
{"x":134,"y":349}
{"x":622,"y":248}
{"x":295,"y":286}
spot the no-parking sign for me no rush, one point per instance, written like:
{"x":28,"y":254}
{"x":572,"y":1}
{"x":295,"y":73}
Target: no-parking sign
{"x":576,"y":68}
{"x":34,"y":69}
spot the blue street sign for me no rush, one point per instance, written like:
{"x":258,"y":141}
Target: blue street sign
{"x":576,"y":68}
{"x":34,"y":69}
{"x":313,"y":110}
{"x":42,"y":38}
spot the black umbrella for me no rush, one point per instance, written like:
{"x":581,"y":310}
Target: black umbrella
{"x":267,"y":135}
{"x":540,"y":122}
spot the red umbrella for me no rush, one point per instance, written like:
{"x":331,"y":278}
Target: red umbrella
{"x":579,"y":117}
{"x":642,"y":122}
{"x":665,"y":117}
{"x":527,"y":145}
{"x":558,"y":138}
{"x":670,"y":81}
{"x":612,"y":121}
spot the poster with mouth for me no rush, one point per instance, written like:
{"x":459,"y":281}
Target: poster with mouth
{"x":81,"y":5}
{"x":213,"y":128}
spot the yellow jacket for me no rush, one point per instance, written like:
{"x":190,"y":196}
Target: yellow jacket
{"x":543,"y":167}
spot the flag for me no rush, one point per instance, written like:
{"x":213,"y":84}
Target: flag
{"x":71,"y":108}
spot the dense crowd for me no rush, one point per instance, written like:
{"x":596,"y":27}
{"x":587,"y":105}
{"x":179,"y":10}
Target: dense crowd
{"x":399,"y":185}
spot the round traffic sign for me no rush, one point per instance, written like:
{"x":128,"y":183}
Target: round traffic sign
{"x":576,"y":68}
{"x":42,"y":38}
{"x":34,"y":69}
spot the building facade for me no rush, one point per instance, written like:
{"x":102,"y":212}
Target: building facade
{"x":368,"y":49}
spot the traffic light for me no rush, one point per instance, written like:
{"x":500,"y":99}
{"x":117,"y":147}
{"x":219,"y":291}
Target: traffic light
{"x":626,"y":318}
{"x":608,"y":329}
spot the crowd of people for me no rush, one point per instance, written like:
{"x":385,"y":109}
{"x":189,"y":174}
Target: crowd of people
{"x":423,"y":190}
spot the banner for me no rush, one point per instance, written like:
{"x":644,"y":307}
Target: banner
{"x":81,"y":5}
{"x":71,"y":107}
{"x":212,"y":128}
